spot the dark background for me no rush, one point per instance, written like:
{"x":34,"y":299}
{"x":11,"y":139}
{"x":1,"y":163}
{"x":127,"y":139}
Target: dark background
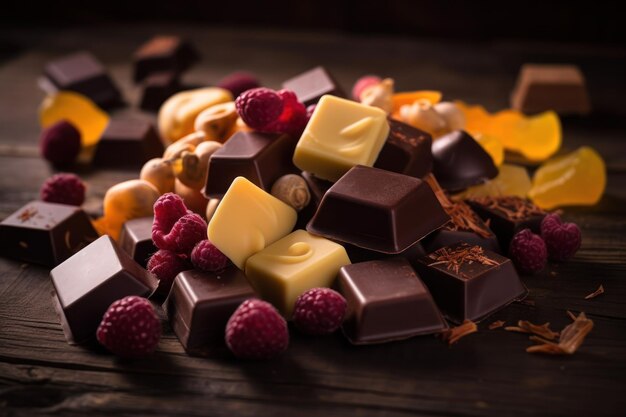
{"x":569,"y":21}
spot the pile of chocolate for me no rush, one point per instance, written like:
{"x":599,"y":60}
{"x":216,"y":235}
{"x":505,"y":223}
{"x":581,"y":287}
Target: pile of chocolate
{"x":300,"y":188}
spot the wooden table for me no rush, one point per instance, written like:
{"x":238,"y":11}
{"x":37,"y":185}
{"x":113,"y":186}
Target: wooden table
{"x":488,"y":373}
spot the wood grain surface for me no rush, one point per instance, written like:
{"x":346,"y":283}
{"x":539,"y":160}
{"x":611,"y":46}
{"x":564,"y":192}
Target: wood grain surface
{"x":485,"y":374}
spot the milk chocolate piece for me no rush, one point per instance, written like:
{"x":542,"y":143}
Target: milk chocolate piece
{"x":200,"y":304}
{"x":386,"y":301}
{"x":378,"y":210}
{"x":128,"y":143}
{"x":551,"y":87}
{"x":407,"y":151}
{"x":311,"y":85}
{"x":90,"y":281}
{"x":136,"y":239}
{"x":83,"y":73}
{"x":460,"y":161}
{"x":158,"y":87}
{"x":163,"y":53}
{"x":507,"y":216}
{"x":45,"y":233}
{"x":468,"y":282}
{"x":262,"y":158}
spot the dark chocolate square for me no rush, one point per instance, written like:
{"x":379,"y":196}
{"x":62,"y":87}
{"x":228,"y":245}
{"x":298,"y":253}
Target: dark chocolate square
{"x":128,"y":143}
{"x":45,"y":233}
{"x":311,"y":85}
{"x":83,"y":73}
{"x":136,"y":239}
{"x":406,"y":151}
{"x":158,"y":87}
{"x":386,"y":301}
{"x":163,"y":53}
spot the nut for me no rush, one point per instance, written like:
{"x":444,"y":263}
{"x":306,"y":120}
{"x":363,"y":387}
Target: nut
{"x":194,"y":200}
{"x":211,"y":207}
{"x":178,"y":114}
{"x":379,"y":95}
{"x":188,"y":143}
{"x":293,"y":190}
{"x":192,"y":167}
{"x":217,"y":121}
{"x":423,"y":116}
{"x":454,"y":117}
{"x":159,"y":173}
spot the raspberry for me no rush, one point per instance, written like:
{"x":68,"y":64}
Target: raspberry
{"x":165,"y":265}
{"x":207,"y":257}
{"x":528,"y":251}
{"x":562,"y":239}
{"x":183,"y":235}
{"x":362,"y":83}
{"x":256,"y":331}
{"x":168,"y":209}
{"x":238,"y":82}
{"x":319,"y":311}
{"x":259,"y":107}
{"x":130,"y":328}
{"x":60,"y":143}
{"x":63,"y":189}
{"x":294,"y":117}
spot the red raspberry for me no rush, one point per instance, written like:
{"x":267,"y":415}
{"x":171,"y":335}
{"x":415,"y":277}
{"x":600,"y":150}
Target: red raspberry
{"x":207,"y":257}
{"x":319,"y":311}
{"x":165,"y":265}
{"x":256,"y":331}
{"x":528,"y":252}
{"x":130,"y":328}
{"x":60,"y":143}
{"x":562,"y":239}
{"x":238,"y":82}
{"x":362,"y":83}
{"x":167,"y":210}
{"x":63,"y":189}
{"x":293,"y":118}
{"x":183,"y":236}
{"x":259,"y":107}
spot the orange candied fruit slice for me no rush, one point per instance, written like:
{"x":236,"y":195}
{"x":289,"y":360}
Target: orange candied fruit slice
{"x":400,"y":99}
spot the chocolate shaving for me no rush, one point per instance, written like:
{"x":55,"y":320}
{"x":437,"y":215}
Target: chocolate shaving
{"x":496,"y":324}
{"x":596,"y":293}
{"x":571,"y":315}
{"x":572,"y":336}
{"x":27,"y":214}
{"x":543,"y":330}
{"x":454,"y":334}
{"x":513,"y":207}
{"x":463,"y":254}
{"x":462,"y":217}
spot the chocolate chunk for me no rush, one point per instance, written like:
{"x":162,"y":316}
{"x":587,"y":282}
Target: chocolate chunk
{"x":83,"y":73}
{"x":407,"y":151}
{"x":317,"y":188}
{"x":311,"y":85}
{"x":378,"y":210}
{"x":157,"y":88}
{"x":507,"y":216}
{"x":90,"y":281}
{"x":259,"y":157}
{"x":128,"y":142}
{"x":468,"y":282}
{"x":460,"y":161}
{"x":200,"y":304}
{"x":551,"y":87}
{"x":411,"y":254}
{"x":45,"y":233}
{"x":163,"y":53}
{"x":136,"y":239}
{"x":386,"y":301}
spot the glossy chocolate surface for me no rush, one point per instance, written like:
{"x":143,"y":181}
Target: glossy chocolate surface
{"x":386,"y":301}
{"x":460,"y":161}
{"x":407,"y":151}
{"x":311,"y":85}
{"x":317,"y":189}
{"x":136,"y":239}
{"x":507,"y":216}
{"x":470,"y":287}
{"x":163,"y":53}
{"x":158,"y":87}
{"x":90,"y":281}
{"x":378,"y":210}
{"x":128,"y":143}
{"x":200,"y":304}
{"x":45,"y":233}
{"x":262,"y":158}
{"x":83,"y":73}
